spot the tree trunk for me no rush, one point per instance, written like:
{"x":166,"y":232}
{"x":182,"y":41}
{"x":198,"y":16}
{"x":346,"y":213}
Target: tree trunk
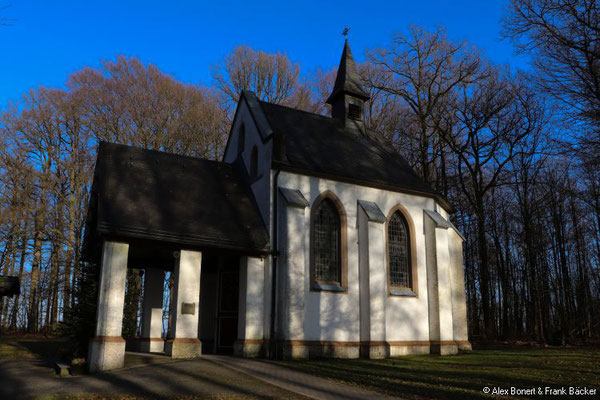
{"x":15,"y":310}
{"x":484,"y":275}
{"x":32,"y":314}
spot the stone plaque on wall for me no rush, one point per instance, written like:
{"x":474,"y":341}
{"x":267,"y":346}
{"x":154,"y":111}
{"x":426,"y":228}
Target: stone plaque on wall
{"x":188,"y":308}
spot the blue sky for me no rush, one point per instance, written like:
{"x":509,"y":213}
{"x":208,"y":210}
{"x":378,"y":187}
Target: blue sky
{"x":48,"y":40}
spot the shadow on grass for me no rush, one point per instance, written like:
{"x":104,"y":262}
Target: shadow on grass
{"x":395,"y":381}
{"x":463,"y":376}
{"x":48,"y":350}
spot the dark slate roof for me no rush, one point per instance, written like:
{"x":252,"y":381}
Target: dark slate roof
{"x":317,"y":145}
{"x":347,"y":80}
{"x":185,"y":200}
{"x":264,"y":129}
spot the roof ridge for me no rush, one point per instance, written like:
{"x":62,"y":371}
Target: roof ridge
{"x":258,"y":114}
{"x":298,"y":110}
{"x":370,"y":139}
{"x":162,"y":152}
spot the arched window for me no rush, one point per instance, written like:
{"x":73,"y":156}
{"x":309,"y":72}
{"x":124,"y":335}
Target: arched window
{"x":241,"y":138}
{"x":401,"y":264}
{"x":328,"y":244}
{"x":254,"y":163}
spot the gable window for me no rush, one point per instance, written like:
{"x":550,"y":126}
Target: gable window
{"x":328,"y":244}
{"x":254,"y":163}
{"x":241,"y":139}
{"x":400,"y":255}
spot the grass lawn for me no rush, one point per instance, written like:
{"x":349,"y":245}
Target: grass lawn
{"x":30,"y":346}
{"x":464,"y":376}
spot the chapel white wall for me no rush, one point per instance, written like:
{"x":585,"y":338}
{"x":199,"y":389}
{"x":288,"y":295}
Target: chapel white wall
{"x":335,"y":316}
{"x":261,"y":185}
{"x":340,"y":317}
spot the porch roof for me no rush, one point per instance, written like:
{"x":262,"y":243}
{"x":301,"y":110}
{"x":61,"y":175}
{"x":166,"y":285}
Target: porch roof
{"x":188,"y":201}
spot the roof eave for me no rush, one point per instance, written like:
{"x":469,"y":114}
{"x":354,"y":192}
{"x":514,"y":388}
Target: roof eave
{"x":341,"y":92}
{"x":305,"y":171}
{"x":108,"y":230}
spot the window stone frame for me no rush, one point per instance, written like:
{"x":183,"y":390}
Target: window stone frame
{"x":322,"y":286}
{"x":400,"y":291}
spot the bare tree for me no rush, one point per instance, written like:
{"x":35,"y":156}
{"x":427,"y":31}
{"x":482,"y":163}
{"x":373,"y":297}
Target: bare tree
{"x":423,"y":69}
{"x":46,"y":161}
{"x":273,"y":77}
{"x":563,"y":37}
{"x":132,"y":103}
{"x":490,"y":120}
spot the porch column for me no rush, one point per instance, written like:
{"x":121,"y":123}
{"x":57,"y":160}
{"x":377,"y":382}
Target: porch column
{"x":292,"y":279}
{"x":441,"y":330}
{"x":183,"y":339}
{"x":107,"y":349}
{"x":372,"y":276}
{"x":251,"y":314}
{"x":152,"y":311}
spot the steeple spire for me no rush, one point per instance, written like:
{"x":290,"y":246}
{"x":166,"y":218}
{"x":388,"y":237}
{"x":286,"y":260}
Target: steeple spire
{"x":347,"y":80}
{"x":348,"y":96}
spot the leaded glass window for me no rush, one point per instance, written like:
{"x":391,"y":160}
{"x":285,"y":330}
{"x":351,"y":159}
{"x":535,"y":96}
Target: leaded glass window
{"x":326,"y":245}
{"x":399,"y":251}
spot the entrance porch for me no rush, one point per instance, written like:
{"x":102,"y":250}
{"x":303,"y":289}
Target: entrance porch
{"x":209,"y":309}
{"x":194,"y":218}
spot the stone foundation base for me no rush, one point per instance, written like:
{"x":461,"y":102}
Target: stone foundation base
{"x":444,"y":348}
{"x":378,"y":350}
{"x":250,"y":348}
{"x":316,"y":349}
{"x":409,"y":349}
{"x":374,"y":350}
{"x":106,"y":353}
{"x":293,"y":349}
{"x":464,"y":345}
{"x":183,"y":348}
{"x":146,"y":345}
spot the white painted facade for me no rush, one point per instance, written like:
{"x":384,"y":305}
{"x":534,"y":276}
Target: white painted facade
{"x":366,"y":317}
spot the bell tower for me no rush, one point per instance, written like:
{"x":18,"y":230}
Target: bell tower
{"x":348,"y":97}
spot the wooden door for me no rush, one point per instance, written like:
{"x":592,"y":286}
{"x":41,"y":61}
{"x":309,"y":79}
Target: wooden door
{"x":227,"y":312}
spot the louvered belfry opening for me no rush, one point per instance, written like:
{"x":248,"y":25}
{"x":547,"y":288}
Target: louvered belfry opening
{"x":327,"y":238}
{"x":399,"y":251}
{"x":355,"y":112}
